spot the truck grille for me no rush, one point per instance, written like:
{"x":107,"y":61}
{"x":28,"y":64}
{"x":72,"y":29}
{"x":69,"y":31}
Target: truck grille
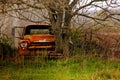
{"x":42,"y":44}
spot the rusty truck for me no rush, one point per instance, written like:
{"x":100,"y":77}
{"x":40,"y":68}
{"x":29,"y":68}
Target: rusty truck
{"x":35,"y":39}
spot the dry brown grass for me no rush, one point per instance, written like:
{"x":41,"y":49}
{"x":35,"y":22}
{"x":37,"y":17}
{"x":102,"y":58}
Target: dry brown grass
{"x":110,"y":42}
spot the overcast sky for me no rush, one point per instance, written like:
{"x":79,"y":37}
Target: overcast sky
{"x":113,"y":4}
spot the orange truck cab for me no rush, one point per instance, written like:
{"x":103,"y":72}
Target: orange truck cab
{"x":35,"y":39}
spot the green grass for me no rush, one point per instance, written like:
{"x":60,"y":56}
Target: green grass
{"x":75,"y":68}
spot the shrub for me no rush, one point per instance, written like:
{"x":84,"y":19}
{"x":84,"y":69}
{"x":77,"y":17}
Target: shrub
{"x":6,"y":50}
{"x":84,"y":42}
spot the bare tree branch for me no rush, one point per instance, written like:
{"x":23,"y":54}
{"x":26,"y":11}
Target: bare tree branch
{"x":81,"y":7}
{"x":74,"y":2}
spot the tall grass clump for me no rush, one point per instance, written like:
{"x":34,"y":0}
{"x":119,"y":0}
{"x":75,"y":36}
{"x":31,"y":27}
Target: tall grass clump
{"x":6,"y":49}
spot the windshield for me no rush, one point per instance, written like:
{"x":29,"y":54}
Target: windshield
{"x":39,"y":31}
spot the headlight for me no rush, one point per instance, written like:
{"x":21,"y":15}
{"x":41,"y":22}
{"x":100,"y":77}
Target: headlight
{"x":23,"y":44}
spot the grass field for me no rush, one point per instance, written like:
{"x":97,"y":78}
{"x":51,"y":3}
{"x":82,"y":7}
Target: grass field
{"x":75,"y":68}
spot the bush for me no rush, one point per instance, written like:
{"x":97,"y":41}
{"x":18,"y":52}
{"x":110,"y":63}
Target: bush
{"x":84,"y":42}
{"x":6,"y":50}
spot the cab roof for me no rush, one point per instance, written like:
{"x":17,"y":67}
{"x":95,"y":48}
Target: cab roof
{"x":39,"y":26}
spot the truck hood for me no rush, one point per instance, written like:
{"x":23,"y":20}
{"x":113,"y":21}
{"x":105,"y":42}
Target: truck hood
{"x":40,"y":38}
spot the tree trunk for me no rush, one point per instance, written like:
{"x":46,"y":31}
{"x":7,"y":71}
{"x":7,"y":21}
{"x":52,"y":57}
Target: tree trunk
{"x":61,"y":29}
{"x":66,"y":38}
{"x":58,"y":39}
{"x":66,"y":35}
{"x":56,"y":26}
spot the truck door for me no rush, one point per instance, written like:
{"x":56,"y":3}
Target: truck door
{"x":17,"y":33}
